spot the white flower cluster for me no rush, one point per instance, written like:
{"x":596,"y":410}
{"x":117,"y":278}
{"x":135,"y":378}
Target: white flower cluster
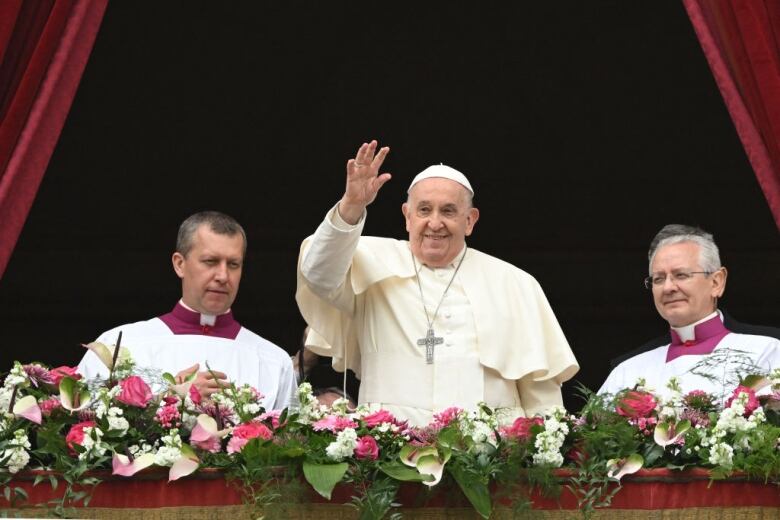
{"x":125,"y":364}
{"x":731,"y":420}
{"x":116,"y":422}
{"x":93,"y":444}
{"x":102,"y":398}
{"x":671,"y":408}
{"x":481,"y":427}
{"x":343,"y":446}
{"x":136,"y":450}
{"x":774,"y":378}
{"x":170,"y":451}
{"x":16,"y":457}
{"x":310,"y":410}
{"x":5,"y":397}
{"x":16,"y":376}
{"x":549,"y":442}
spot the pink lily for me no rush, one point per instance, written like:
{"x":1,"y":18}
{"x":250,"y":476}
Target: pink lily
{"x":125,"y":467}
{"x":669,"y":433}
{"x":28,"y":408}
{"x":426,"y":460}
{"x":185,"y":465}
{"x":74,"y":396}
{"x":206,"y":436}
{"x":620,"y":467}
{"x":106,"y":353}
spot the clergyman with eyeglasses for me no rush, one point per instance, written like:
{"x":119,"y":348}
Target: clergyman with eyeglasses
{"x":687,"y":280}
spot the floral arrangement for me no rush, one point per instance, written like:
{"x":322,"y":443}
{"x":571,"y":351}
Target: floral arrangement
{"x":52,"y":419}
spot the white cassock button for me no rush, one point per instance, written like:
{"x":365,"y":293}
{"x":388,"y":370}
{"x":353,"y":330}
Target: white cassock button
{"x":449,"y":343}
{"x":449,"y":331}
{"x":448,"y":315}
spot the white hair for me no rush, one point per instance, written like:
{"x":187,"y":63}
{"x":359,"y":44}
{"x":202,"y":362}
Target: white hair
{"x":709,"y":256}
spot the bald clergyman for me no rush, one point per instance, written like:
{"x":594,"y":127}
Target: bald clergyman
{"x":427,"y":323}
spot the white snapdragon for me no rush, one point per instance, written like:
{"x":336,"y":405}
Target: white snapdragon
{"x":92,"y":443}
{"x":548,"y":443}
{"x":774,"y":378}
{"x":309,"y":410}
{"x":480,"y":427}
{"x":17,"y":455}
{"x":116,"y":421}
{"x":16,"y":376}
{"x":252,"y":408}
{"x":170,"y":451}
{"x":5,"y":397}
{"x":721,"y":454}
{"x":343,"y":446}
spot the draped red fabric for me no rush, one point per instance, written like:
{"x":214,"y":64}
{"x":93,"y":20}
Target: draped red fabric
{"x":741,"y":40}
{"x":44,"y":46}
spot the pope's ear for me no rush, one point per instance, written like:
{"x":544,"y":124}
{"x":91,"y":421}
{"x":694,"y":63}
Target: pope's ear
{"x":471,"y":219}
{"x":178,"y":264}
{"x":405,"y":211}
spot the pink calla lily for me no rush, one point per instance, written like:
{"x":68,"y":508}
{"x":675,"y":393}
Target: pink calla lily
{"x":669,"y":433}
{"x":620,"y":467}
{"x":206,"y":435}
{"x":106,"y":353}
{"x":185,"y":465}
{"x":427,"y":461}
{"x":125,"y":467}
{"x":28,"y":408}
{"x":74,"y":396}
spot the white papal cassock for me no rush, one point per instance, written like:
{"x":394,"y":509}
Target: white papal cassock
{"x":501,"y":341}
{"x":178,"y":340}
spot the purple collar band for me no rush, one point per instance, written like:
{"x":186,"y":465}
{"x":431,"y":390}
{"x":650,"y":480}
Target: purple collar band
{"x":708,"y":334}
{"x":184,"y":321}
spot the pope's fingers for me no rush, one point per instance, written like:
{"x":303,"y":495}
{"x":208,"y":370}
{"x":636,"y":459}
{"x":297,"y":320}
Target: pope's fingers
{"x":380,"y":157}
{"x":212,"y":375}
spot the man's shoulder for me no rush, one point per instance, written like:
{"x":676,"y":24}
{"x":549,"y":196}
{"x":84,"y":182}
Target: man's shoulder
{"x":496,"y":265}
{"x":148,"y":327}
{"x":266,"y":349}
{"x":643,"y":359}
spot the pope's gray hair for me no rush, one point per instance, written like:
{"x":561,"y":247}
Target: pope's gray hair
{"x":468,"y":196}
{"x":217,"y":222}
{"x":709,"y":256}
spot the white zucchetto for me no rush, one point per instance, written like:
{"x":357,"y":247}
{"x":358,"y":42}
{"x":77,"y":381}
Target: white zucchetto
{"x":445,"y":172}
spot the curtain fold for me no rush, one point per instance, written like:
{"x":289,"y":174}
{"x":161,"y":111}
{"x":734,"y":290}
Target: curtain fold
{"x":44,"y":47}
{"x":741,"y":41}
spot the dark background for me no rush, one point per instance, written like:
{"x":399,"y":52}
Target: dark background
{"x":583,"y":126}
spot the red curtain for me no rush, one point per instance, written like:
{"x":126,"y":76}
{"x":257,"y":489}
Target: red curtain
{"x":44,"y":46}
{"x":741,"y":40}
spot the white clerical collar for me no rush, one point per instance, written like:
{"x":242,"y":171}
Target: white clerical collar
{"x":452,"y":265}
{"x":205,"y":319}
{"x":688,"y":332}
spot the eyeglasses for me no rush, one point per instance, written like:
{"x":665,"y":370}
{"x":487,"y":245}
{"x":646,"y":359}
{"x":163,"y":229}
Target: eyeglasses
{"x":657,"y":280}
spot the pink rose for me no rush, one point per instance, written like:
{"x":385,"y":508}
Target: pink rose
{"x":521,"y":428}
{"x":377,"y":418}
{"x":635,"y":404}
{"x":76,"y":435}
{"x":135,"y":392}
{"x":64,"y":371}
{"x":244,"y":432}
{"x":752,"y":402}
{"x":367,"y":448}
{"x":195,"y":396}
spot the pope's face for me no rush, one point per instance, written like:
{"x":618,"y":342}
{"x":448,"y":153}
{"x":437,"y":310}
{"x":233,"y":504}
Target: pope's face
{"x":211,"y":271}
{"x":438,"y":219}
{"x":684,"y":302}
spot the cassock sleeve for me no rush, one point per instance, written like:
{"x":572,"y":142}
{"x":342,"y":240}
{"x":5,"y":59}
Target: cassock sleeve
{"x":536,"y":397}
{"x":324,"y":295}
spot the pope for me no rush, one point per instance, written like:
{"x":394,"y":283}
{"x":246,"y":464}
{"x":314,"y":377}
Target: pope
{"x":427,"y":323}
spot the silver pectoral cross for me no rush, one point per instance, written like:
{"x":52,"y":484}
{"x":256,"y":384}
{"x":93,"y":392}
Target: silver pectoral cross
{"x":429,"y":341}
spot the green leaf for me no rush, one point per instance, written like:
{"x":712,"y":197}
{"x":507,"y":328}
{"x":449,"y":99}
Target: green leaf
{"x":324,"y":477}
{"x":169,"y":378}
{"x":474,"y":488}
{"x":404,"y":473}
